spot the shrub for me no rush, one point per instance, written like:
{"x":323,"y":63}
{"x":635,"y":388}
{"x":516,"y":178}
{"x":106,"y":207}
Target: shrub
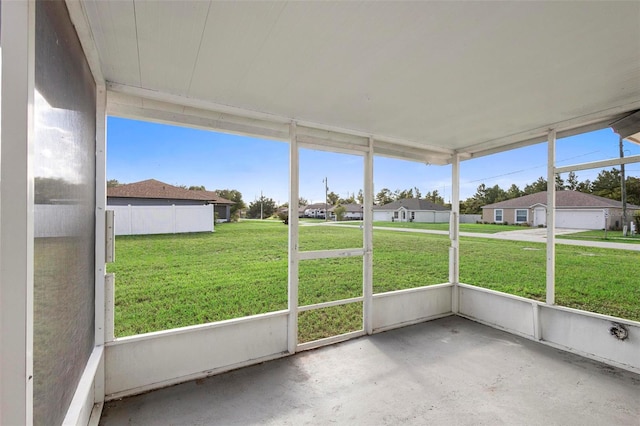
{"x":340,"y":211}
{"x":284,"y":217}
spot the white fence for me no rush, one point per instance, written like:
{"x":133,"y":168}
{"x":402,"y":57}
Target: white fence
{"x":470,"y":218}
{"x":141,"y":220}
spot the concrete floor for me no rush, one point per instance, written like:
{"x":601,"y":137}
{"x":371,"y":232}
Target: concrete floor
{"x":443,"y":372}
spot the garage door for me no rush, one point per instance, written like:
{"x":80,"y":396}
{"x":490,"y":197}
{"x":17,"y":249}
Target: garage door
{"x":580,"y":219}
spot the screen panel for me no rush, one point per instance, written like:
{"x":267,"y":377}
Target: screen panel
{"x":64,"y":172}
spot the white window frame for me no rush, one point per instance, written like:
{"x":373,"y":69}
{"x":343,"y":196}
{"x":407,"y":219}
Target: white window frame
{"x":495,"y":215}
{"x":526,"y":216}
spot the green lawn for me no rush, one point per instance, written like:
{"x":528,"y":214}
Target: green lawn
{"x":167,"y":281}
{"x":592,"y":279}
{"x":464,"y":227}
{"x":612,"y":237}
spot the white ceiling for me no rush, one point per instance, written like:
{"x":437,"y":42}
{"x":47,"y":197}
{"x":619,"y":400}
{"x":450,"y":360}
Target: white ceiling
{"x":465,"y":76}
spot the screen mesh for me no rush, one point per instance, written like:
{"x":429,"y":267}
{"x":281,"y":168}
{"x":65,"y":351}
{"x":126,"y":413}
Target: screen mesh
{"x":64,"y":172}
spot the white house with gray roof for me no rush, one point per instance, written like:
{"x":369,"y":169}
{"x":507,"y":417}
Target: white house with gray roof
{"x":411,"y":210}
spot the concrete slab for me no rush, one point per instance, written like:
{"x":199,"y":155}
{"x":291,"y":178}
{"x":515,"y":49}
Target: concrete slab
{"x":448,"y":371}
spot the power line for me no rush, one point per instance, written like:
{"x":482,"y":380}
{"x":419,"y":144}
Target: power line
{"x":530,"y":168}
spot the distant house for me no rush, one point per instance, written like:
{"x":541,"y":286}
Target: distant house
{"x":152,"y":192}
{"x":285,"y":210}
{"x":574,"y":210}
{"x":353,"y":211}
{"x":411,"y":210}
{"x":316,"y":210}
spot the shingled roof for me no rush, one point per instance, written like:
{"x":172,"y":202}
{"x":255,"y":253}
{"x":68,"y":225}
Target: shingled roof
{"x":412,"y":204}
{"x":564,"y":199}
{"x":155,"y":189}
{"x":349,"y":208}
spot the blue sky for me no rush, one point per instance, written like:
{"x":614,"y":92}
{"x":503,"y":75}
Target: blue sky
{"x":183,"y":156}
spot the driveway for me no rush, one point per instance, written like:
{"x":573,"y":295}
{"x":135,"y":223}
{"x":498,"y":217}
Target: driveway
{"x":539,"y":235}
{"x":537,"y":232}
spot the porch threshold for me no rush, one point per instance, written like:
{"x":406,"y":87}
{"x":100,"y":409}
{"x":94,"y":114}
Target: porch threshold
{"x":447,"y":371}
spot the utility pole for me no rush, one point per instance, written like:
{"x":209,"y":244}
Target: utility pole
{"x":326,"y":196}
{"x":623,"y":185}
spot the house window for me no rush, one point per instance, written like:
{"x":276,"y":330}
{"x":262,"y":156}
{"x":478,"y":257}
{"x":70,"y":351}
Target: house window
{"x":522,"y":216}
{"x":413,"y":215}
{"x":497,"y":215}
{"x":395,"y":215}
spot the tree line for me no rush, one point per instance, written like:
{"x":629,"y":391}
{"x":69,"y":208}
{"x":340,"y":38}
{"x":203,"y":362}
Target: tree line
{"x":607,"y":184}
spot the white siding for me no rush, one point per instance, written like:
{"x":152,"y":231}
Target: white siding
{"x":427,"y":217}
{"x":382,"y":216}
{"x":442,"y":216}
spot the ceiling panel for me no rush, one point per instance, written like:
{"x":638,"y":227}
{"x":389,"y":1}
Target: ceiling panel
{"x":169,"y":35}
{"x":449,"y":74}
{"x":113,"y":26}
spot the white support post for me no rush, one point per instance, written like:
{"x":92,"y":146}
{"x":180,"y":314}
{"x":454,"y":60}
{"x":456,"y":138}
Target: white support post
{"x":294,"y":188}
{"x":100,"y":234}
{"x":454,"y":233}
{"x":16,"y":211}
{"x":551,"y":217}
{"x":367,"y":238}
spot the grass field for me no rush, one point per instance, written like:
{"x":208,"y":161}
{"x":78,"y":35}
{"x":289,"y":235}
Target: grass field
{"x":167,"y":281}
{"x":612,"y":237}
{"x":464,"y":227}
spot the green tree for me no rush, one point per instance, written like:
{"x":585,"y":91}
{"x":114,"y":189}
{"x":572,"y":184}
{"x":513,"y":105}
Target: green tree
{"x":470,"y":206}
{"x":608,"y":184}
{"x":537,"y":186}
{"x":333,"y":198}
{"x":360,"y":197}
{"x":351,"y":199}
{"x":585,"y":186}
{"x":384,"y":197}
{"x":401,"y":195}
{"x":197,"y":188}
{"x":235,"y":196}
{"x":559,"y":183}
{"x":302,"y":202}
{"x":473,"y":205}
{"x":633,"y":190}
{"x":495,"y":194}
{"x":340,"y":211}
{"x":263,"y":205}
{"x":417,"y":192}
{"x":572,"y":182}
{"x":434,"y":197}
{"x":513,"y":192}
{"x":112,"y":183}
